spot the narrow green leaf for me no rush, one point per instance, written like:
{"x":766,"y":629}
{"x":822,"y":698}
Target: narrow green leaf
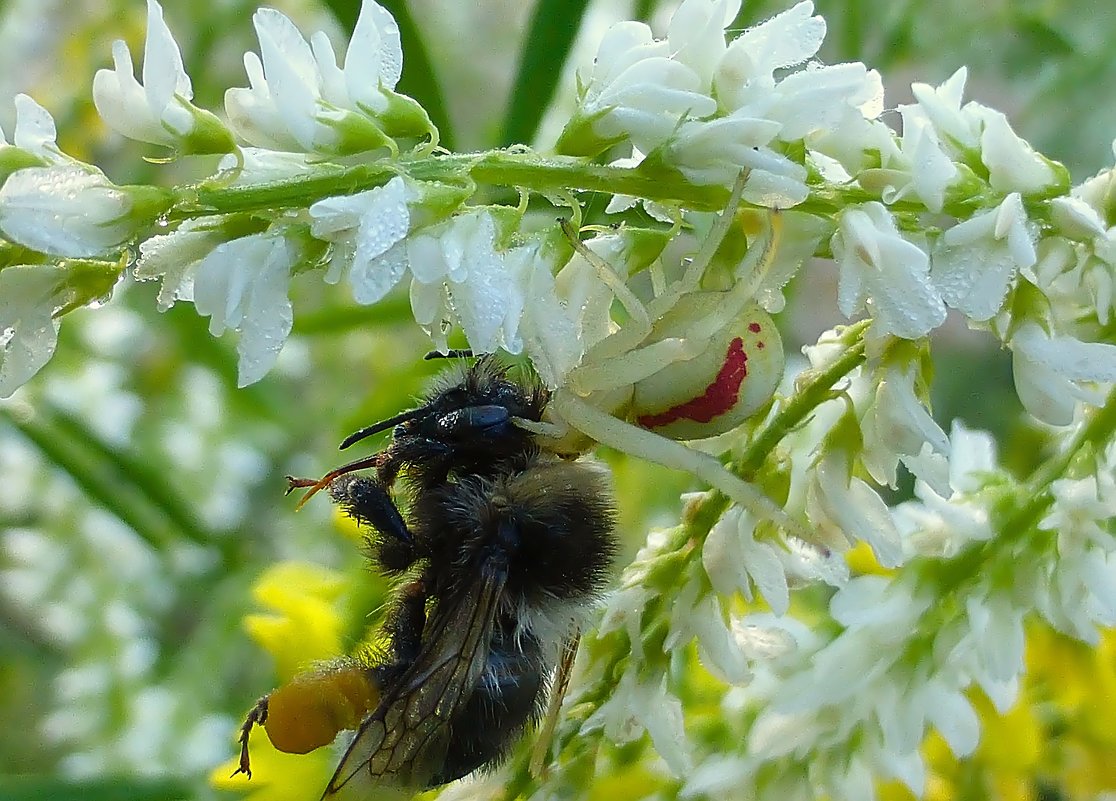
{"x":418,"y":80}
{"x":152,"y":483}
{"x":98,"y":477}
{"x":549,"y":39}
{"x":46,"y":788}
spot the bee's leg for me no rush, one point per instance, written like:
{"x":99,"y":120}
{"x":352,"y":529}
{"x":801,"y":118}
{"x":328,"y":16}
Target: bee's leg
{"x":558,"y":686}
{"x":368,"y":502}
{"x":408,"y":621}
{"x":256,"y":717}
{"x":308,"y":711}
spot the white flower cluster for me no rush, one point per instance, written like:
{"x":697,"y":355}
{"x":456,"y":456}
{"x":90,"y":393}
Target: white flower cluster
{"x":90,"y":587}
{"x":854,"y":707}
{"x":693,"y":105}
{"x":706,"y":108}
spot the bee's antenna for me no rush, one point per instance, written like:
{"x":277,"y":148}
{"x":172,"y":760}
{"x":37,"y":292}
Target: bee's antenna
{"x":383,"y":425}
{"x":312,"y":486}
{"x":453,"y":353}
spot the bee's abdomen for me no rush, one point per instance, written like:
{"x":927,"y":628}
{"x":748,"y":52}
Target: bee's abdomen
{"x":508,"y":697}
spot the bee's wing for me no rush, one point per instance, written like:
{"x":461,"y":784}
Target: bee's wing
{"x":403,"y":742}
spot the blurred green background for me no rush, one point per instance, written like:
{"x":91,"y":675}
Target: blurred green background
{"x":141,"y":492}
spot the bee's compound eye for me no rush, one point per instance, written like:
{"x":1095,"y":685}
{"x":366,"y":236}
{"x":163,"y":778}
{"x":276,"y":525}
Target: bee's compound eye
{"x":474,"y":419}
{"x":730,"y":380}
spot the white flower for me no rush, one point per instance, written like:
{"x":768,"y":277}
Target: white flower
{"x":888,"y":272}
{"x":1047,"y":370}
{"x":28,"y":329}
{"x":65,"y":210}
{"x":919,"y":167}
{"x":624,"y":611}
{"x":256,"y":165}
{"x":826,"y":103}
{"x":458,"y":274}
{"x":897,"y":426}
{"x":174,"y":257}
{"x":735,"y":561}
{"x":719,"y":776}
{"x":957,"y":129}
{"x":714,"y":152}
{"x":1077,"y":593}
{"x":637,"y":706}
{"x":937,"y":527}
{"x":1013,"y":165}
{"x":551,"y":326}
{"x":836,"y":498}
{"x":746,"y":71}
{"x":702,"y":619}
{"x":696,"y":35}
{"x":373,"y":60}
{"x":975,"y":261}
{"x":1075,"y":218}
{"x":35,"y":131}
{"x":636,"y":91}
{"x":972,"y":457}
{"x":1087,"y":277}
{"x":1081,"y":512}
{"x":299,"y":99}
{"x":64,"y":207}
{"x":858,"y":685}
{"x":364,"y":227}
{"x":242,"y":284}
{"x":158,"y":111}
{"x":995,"y":639}
{"x":878,"y":616}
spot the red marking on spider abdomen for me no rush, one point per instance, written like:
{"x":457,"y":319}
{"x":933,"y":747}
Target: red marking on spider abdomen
{"x":718,"y":398}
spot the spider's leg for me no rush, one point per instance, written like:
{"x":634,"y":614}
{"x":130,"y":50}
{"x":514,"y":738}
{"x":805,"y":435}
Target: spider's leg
{"x":638,"y":327}
{"x":695,"y":271}
{"x":629,"y":367}
{"x":644,"y":444}
{"x":744,"y":290}
{"x":542,"y":428}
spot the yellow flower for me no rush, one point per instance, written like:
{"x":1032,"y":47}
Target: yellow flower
{"x":304,"y":625}
{"x":862,"y":561}
{"x":277,"y":776}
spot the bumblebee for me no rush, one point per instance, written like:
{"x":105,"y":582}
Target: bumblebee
{"x":500,"y":554}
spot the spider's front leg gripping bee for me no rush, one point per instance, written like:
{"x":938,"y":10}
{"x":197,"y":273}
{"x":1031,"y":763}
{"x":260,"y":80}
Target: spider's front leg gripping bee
{"x":312,"y":708}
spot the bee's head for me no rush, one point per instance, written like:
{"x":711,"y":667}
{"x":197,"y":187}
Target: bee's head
{"x":467,"y":421}
{"x":472,"y":415}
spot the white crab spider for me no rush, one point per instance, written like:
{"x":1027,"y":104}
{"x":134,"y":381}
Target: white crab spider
{"x":688,"y":364}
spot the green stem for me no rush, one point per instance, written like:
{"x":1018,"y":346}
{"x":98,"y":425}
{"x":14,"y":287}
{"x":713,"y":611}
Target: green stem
{"x":514,"y":168}
{"x":975,"y":563}
{"x":499,"y":168}
{"x":1099,"y":430}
